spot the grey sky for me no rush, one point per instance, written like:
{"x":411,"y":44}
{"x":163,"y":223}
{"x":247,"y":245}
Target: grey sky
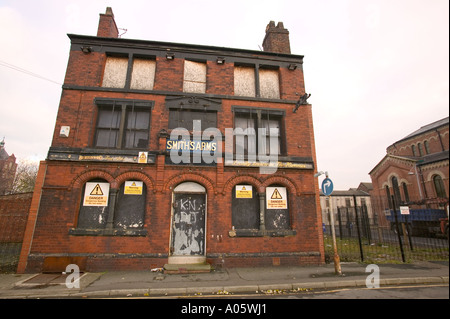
{"x":377,"y":70}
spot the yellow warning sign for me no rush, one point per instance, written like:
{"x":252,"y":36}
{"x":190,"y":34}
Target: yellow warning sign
{"x":276,"y":194}
{"x":96,"y":194}
{"x":142,"y":159}
{"x":276,"y":198}
{"x":97,"y":190}
{"x":133,"y":188}
{"x":244,"y":191}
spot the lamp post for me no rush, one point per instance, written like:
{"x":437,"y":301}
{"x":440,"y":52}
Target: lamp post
{"x":327,"y":189}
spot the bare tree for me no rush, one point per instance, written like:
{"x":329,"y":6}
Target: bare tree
{"x":25,"y":177}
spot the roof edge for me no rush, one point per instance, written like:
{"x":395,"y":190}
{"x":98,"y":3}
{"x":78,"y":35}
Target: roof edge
{"x":167,"y":45}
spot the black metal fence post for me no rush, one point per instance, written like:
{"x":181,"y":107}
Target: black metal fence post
{"x":357,"y":227}
{"x":409,"y":231}
{"x":340,"y":223}
{"x":398,"y":228}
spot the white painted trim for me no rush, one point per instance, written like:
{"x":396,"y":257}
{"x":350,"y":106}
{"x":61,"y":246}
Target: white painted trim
{"x":189,"y":187}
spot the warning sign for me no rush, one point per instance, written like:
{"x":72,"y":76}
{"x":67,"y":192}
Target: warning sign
{"x":133,"y":188}
{"x":276,"y":198}
{"x":142,"y":159}
{"x":96,"y":194}
{"x":97,"y":190}
{"x":276,"y":194}
{"x":404,"y":210}
{"x":244,"y":191}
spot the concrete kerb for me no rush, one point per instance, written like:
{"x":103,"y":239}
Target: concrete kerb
{"x":204,"y":290}
{"x":266,"y":287}
{"x":190,"y":291}
{"x":241,"y":289}
{"x":275,"y":287}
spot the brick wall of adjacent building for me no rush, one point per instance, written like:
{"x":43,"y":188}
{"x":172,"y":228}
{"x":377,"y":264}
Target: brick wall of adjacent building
{"x":415,"y":169}
{"x":13,"y":216}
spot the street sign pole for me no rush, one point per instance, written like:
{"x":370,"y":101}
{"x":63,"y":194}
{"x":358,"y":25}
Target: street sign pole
{"x":336,"y":259}
{"x":327,"y":189}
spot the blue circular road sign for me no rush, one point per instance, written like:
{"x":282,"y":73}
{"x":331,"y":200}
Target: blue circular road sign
{"x":327,"y":186}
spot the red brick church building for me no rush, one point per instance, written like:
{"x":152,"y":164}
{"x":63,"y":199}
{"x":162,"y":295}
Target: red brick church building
{"x":415,"y":169}
{"x":166,"y":153}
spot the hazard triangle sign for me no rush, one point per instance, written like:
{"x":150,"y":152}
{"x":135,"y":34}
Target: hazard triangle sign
{"x":276,"y":198}
{"x":96,"y":194}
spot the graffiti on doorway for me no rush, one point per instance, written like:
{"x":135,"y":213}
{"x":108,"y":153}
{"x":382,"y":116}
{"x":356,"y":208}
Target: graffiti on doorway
{"x":188,"y":225}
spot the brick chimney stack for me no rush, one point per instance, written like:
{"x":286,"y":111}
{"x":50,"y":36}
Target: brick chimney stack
{"x":276,"y":39}
{"x":107,"y":25}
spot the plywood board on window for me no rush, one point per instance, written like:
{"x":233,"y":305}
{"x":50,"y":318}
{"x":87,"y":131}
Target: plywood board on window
{"x":194,"y":77}
{"x":143,"y":75}
{"x":269,"y":84}
{"x":115,"y":74}
{"x":244,"y":81}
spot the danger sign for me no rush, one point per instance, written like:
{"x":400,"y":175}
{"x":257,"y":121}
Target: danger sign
{"x":244,"y":191}
{"x":133,"y":188}
{"x":276,"y":198}
{"x":96,"y":194}
{"x":142,"y":159}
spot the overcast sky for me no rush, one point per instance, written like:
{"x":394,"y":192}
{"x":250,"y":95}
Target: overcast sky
{"x":376,"y":70}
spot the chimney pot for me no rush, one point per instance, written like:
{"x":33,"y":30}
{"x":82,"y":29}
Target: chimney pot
{"x":109,"y":11}
{"x":276,"y":38}
{"x":107,"y":25}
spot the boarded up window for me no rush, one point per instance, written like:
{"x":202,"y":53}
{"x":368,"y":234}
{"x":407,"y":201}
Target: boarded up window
{"x":143,"y":75}
{"x":130,"y":207}
{"x":269,"y":84}
{"x":277,"y":208}
{"x":92,"y":217}
{"x":194,"y":77}
{"x":115,"y":72}
{"x":245,"y":207}
{"x":244,"y":81}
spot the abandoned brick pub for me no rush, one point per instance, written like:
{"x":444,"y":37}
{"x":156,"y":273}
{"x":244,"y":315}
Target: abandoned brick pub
{"x":112,"y":193}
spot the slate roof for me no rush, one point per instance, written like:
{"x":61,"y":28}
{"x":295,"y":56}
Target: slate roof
{"x":426,"y":128}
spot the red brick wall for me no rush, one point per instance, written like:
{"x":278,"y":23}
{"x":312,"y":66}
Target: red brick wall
{"x":220,"y":78}
{"x":61,"y":196}
{"x":85,"y":69}
{"x":13,"y":216}
{"x":32,"y":216}
{"x":169,"y":76}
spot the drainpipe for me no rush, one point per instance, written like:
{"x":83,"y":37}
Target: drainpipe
{"x":418,"y":182}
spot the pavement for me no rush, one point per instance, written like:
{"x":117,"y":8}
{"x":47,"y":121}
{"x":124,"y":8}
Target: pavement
{"x":224,"y":281}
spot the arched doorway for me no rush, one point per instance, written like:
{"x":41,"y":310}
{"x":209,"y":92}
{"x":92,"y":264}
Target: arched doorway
{"x":188,"y":226}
